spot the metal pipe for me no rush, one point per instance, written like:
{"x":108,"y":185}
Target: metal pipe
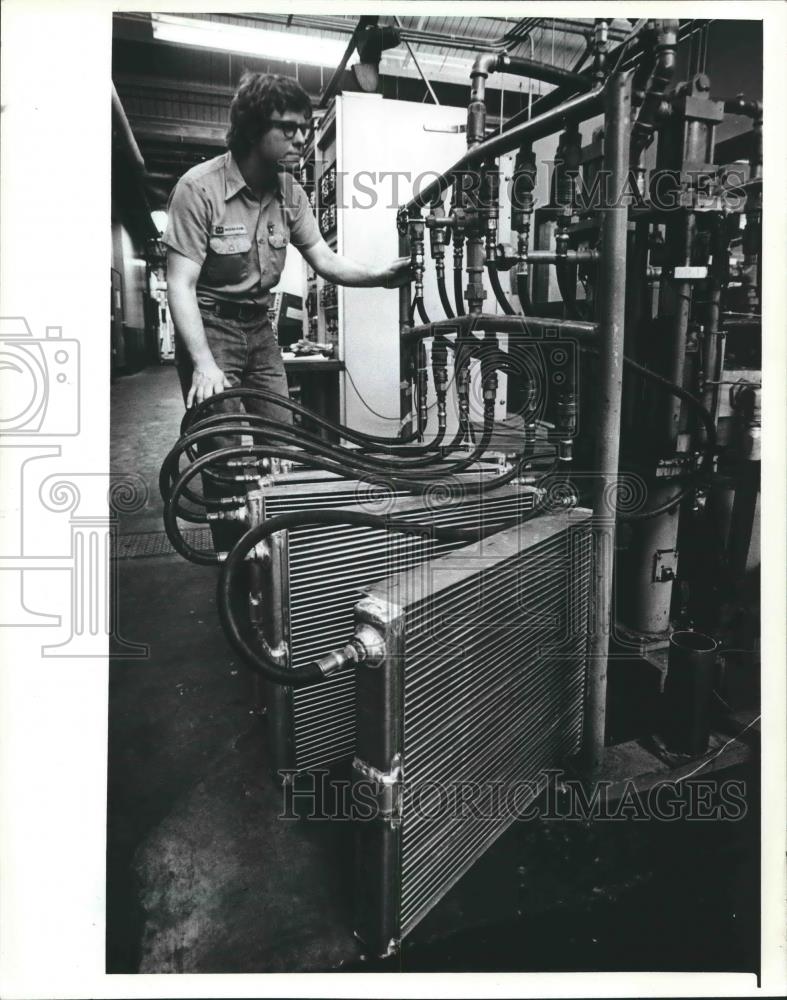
{"x":643,"y":128}
{"x":124,"y":128}
{"x":687,"y":692}
{"x":577,"y":27}
{"x":612,"y":294}
{"x":575,"y":110}
{"x":555,"y":97}
{"x":529,"y":326}
{"x":569,"y":257}
{"x":680,"y":308}
{"x":475,"y":293}
{"x":405,"y":374}
{"x":711,"y":362}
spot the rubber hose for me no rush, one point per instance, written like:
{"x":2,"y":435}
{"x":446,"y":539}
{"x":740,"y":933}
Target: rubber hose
{"x":192,"y":415}
{"x":444,"y":301}
{"x":202,"y":557}
{"x":310,"y":673}
{"x":458,"y":290}
{"x":494,"y":280}
{"x":419,"y":304}
{"x":524,"y":295}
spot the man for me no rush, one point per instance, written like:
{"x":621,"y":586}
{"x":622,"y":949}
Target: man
{"x":229,"y":224}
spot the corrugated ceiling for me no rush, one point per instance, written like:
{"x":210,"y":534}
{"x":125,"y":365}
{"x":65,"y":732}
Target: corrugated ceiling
{"x":444,"y":45}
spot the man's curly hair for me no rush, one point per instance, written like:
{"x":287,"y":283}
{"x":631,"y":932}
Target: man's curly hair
{"x":257,"y":96}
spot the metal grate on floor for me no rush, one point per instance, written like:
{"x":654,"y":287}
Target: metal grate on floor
{"x":145,"y":544}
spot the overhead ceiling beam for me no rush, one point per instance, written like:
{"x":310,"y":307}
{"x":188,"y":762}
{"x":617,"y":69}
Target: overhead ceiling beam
{"x":126,"y":81}
{"x":176,"y":130}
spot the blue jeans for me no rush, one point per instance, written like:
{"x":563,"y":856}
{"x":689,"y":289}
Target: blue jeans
{"x":248,"y":353}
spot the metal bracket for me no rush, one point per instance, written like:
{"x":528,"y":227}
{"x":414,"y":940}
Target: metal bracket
{"x":387,"y":788}
{"x":665,"y":565}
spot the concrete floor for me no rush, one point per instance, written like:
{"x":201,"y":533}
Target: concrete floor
{"x":203,"y":877}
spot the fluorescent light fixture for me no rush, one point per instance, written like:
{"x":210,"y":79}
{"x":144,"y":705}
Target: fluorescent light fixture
{"x":159,"y":218}
{"x":280,"y":46}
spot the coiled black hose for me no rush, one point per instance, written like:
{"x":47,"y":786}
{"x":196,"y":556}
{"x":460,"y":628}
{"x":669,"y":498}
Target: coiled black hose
{"x":359,"y":465}
{"x":347,"y":433}
{"x":284,"y":433}
{"x":205,"y":558}
{"x":320,"y":452}
{"x":260,"y":661}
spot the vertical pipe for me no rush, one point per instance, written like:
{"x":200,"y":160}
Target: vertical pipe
{"x":688,"y":691}
{"x":405,"y":370}
{"x":680,"y":327}
{"x":711,"y":363}
{"x":612,"y":292}
{"x":476,"y":130}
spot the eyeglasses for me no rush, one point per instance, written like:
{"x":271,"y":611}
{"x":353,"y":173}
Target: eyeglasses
{"x":288,"y":127}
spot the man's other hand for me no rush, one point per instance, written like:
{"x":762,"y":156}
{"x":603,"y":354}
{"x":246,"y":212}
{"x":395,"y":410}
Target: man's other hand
{"x":206,"y":381}
{"x":396,"y":274}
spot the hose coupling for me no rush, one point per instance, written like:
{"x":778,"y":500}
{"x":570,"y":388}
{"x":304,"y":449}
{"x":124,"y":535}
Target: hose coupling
{"x":567,"y":415}
{"x":415,"y":229}
{"x":238,"y":513}
{"x":522,"y":249}
{"x":338,"y":659}
{"x":261,"y":464}
{"x":490,"y":200}
{"x":565,"y":452}
{"x":440,"y":368}
{"x":523,"y":184}
{"x":422,"y":381}
{"x":489,"y":387}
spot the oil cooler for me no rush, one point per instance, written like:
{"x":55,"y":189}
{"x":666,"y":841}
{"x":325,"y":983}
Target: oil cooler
{"x":478,"y":689}
{"x":317,"y":576}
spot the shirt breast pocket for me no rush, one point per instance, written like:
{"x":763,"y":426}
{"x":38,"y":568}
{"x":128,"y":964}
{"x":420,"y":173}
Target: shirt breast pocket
{"x":227,"y":262}
{"x":278,"y":238}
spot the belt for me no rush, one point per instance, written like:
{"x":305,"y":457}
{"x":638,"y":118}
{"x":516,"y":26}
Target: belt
{"x":234,"y":310}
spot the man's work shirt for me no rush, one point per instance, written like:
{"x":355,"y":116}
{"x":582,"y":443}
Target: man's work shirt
{"x":239,"y":242}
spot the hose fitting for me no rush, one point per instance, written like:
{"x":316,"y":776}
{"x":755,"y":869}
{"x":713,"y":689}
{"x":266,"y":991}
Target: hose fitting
{"x":566,"y":425}
{"x":438,"y":224}
{"x":423,"y":387}
{"x":490,"y":206}
{"x":415,"y":229}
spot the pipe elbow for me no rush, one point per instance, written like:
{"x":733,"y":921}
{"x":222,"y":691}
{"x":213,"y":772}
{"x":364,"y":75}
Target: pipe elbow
{"x":485,"y":63}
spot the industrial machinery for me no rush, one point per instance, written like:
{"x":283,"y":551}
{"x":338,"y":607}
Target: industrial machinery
{"x":314,"y":726}
{"x":447,"y":712}
{"x":374,"y":648}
